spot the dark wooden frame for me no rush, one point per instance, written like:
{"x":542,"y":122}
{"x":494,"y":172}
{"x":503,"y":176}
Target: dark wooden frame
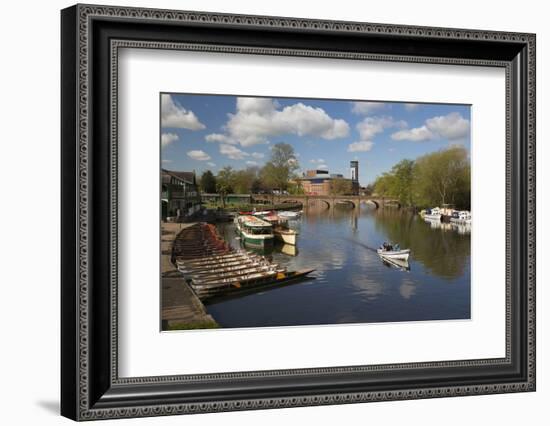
{"x":91,"y":388}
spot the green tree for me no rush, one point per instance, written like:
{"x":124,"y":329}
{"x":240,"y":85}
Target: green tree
{"x":225,"y":182}
{"x":340,"y":186}
{"x":281,"y":168}
{"x":244,"y":180}
{"x":208,"y":182}
{"x":443,"y":177}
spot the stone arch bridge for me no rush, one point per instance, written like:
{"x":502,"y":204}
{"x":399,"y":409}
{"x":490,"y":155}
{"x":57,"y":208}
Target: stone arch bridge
{"x":329,"y":200}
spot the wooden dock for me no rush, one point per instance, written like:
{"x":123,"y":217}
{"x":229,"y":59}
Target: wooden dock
{"x":181,"y":308}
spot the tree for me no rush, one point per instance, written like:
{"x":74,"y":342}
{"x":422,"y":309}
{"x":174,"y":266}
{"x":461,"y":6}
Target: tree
{"x":280,"y":169}
{"x":443,"y":177}
{"x":341,"y":186}
{"x":244,"y":180}
{"x":225,"y":182}
{"x":208,"y":182}
{"x":434,"y":179}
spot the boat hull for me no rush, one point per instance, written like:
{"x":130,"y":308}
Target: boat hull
{"x":394,"y":255}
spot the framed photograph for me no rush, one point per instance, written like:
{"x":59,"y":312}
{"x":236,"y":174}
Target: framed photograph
{"x":263,"y":212}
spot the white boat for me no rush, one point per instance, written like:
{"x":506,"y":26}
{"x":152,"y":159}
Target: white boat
{"x":254,"y":231}
{"x":432,"y":214}
{"x":462,"y":217}
{"x":393,"y":252}
{"x":289,"y":214}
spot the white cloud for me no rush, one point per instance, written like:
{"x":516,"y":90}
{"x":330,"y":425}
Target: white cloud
{"x":252,"y":163}
{"x":360,"y":146}
{"x":371,"y":126}
{"x":318,"y":161}
{"x":211,"y":164}
{"x":322,"y":166}
{"x":232,"y":152}
{"x":198,"y":155}
{"x":167,"y":138}
{"x":451,"y":126}
{"x":417,"y":134}
{"x":258,"y":155}
{"x":258,"y":119}
{"x":217,"y":137}
{"x":166,"y":161}
{"x":174,"y":115}
{"x":364,"y":108}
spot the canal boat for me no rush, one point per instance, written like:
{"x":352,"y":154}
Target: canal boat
{"x":281,"y":230}
{"x":393,"y":252}
{"x":255,"y":231}
{"x":432,"y":214}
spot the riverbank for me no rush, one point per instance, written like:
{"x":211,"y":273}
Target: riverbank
{"x":181,"y":309}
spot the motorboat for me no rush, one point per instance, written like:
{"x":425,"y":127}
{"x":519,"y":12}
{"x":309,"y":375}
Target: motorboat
{"x":288,"y":214}
{"x":393,"y":252}
{"x":432,"y":214}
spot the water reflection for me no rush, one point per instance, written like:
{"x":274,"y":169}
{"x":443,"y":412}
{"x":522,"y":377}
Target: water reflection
{"x":352,"y":283}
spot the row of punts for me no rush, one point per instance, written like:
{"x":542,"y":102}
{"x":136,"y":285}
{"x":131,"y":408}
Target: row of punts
{"x":212,"y":267}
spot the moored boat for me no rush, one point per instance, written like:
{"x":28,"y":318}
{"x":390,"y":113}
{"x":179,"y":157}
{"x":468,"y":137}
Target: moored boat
{"x":289,"y":214}
{"x":432,"y":214}
{"x":255,"y":231}
{"x":461,"y":217}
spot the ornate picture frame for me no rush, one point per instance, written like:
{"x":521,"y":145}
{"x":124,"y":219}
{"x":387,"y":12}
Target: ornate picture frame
{"x":91,"y":38}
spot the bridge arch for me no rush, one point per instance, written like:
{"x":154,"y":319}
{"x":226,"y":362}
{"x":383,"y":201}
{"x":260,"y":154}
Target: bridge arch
{"x":375,"y":202}
{"x":326,"y":202}
{"x":344,"y":201}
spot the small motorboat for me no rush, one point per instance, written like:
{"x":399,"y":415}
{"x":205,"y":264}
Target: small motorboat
{"x":393,"y":252}
{"x":289,"y":214}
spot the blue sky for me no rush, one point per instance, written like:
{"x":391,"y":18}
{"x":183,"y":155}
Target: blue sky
{"x":209,"y":132}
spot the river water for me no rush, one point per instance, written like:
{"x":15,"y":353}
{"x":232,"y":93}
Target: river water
{"x":351,"y":283}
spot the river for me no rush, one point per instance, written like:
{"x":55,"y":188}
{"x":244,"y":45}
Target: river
{"x":351,"y":283}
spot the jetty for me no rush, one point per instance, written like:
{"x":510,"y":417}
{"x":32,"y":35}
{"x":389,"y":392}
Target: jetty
{"x":180,"y":306}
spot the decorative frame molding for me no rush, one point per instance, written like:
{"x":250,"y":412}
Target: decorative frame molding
{"x":91,"y":37}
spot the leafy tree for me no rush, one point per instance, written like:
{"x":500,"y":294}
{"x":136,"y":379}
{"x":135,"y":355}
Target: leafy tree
{"x":340,"y":186}
{"x":244,"y":180}
{"x":225,"y":182}
{"x":281,"y":168}
{"x":443,"y":177}
{"x":208,"y":182}
{"x":434,"y":179}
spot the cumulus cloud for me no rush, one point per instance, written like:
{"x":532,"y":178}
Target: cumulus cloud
{"x":258,"y":119}
{"x":211,"y":164}
{"x":258,"y":155}
{"x":364,"y":108}
{"x":417,"y":134}
{"x":232,"y":152}
{"x":317,"y":161}
{"x":167,"y":138}
{"x":216,"y":137}
{"x":175,"y":115}
{"x":371,"y":126}
{"x":360,"y":146}
{"x":451,"y":126}
{"x":251,"y":163}
{"x":198,"y":155}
